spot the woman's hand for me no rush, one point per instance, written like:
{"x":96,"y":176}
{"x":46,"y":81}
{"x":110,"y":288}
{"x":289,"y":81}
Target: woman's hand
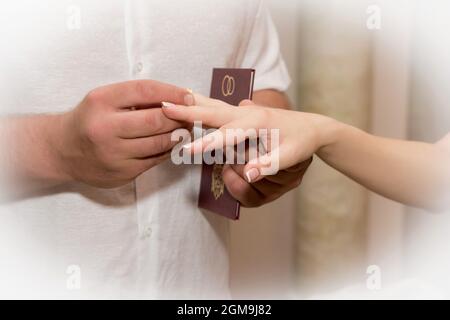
{"x":300,"y":134}
{"x":414,"y":173}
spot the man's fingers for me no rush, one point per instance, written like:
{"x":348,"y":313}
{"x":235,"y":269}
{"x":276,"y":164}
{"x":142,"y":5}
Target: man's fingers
{"x":140,"y":93}
{"x":148,"y":147}
{"x":145,"y":164}
{"x":239,"y":169}
{"x":300,"y":166}
{"x":240,"y":189}
{"x":284,"y":178}
{"x":290,"y":175}
{"x":143,"y":123}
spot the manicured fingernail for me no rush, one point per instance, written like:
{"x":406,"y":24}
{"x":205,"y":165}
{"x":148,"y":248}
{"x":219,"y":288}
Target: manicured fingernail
{"x":189,"y":99}
{"x":167,"y":105}
{"x":252,"y":174}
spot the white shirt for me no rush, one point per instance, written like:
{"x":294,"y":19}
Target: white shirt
{"x":143,"y":240}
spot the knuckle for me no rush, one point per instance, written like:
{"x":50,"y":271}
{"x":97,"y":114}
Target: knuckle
{"x":271,"y":198}
{"x":134,"y":171}
{"x":123,"y":126}
{"x":263,"y":115}
{"x":107,"y":156}
{"x":114,"y":169}
{"x":109,"y":167}
{"x":162,"y":143}
{"x":254,"y":203}
{"x":168,"y":143}
{"x":238,"y":187}
{"x":296,"y":183}
{"x":142,"y":166}
{"x":94,"y":97}
{"x":154,"y":121}
{"x":150,"y":163}
{"x":218,"y":102}
{"x":95,"y":131}
{"x":143,"y":90}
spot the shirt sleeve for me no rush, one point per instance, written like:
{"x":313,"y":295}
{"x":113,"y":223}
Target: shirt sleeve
{"x":263,"y":54}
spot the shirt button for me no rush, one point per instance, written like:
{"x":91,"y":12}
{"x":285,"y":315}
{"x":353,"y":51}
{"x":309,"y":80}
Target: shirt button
{"x":139,"y":67}
{"x":146,"y":233}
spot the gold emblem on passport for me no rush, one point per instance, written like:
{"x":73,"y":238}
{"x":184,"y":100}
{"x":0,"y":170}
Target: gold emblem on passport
{"x":228,"y":86}
{"x":217,"y":184}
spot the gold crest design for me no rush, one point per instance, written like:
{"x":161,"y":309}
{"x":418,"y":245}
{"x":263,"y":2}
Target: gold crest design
{"x":217,"y":184}
{"x":228,"y":86}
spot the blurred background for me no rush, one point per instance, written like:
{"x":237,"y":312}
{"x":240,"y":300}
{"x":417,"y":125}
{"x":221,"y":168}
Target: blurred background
{"x":383,"y":66}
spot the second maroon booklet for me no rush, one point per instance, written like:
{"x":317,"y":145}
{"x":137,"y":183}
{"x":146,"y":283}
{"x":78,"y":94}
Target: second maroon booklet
{"x":231,"y":86}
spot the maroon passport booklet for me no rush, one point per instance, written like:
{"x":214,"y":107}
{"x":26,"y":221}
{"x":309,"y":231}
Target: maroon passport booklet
{"x":231,"y":86}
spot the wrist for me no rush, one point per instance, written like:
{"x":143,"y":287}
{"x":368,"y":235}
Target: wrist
{"x":327,"y":132}
{"x":334,"y":133}
{"x":58,"y":142}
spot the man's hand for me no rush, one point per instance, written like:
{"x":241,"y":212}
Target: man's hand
{"x":108,"y":140}
{"x":263,"y":191}
{"x":106,"y":144}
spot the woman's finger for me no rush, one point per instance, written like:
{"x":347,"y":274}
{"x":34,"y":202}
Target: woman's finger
{"x":210,"y":116}
{"x":231,"y":134}
{"x":209,"y":102}
{"x":270,"y":163}
{"x":240,"y":189}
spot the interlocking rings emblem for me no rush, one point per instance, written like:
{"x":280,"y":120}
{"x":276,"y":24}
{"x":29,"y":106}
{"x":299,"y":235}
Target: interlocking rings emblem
{"x":228,"y":86}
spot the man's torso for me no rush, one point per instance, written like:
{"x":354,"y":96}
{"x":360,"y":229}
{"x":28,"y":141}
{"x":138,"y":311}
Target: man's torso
{"x":148,"y":238}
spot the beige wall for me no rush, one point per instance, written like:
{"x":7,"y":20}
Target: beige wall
{"x":315,"y":235}
{"x":392,"y":82}
{"x":389,"y":118}
{"x":334,"y":79}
